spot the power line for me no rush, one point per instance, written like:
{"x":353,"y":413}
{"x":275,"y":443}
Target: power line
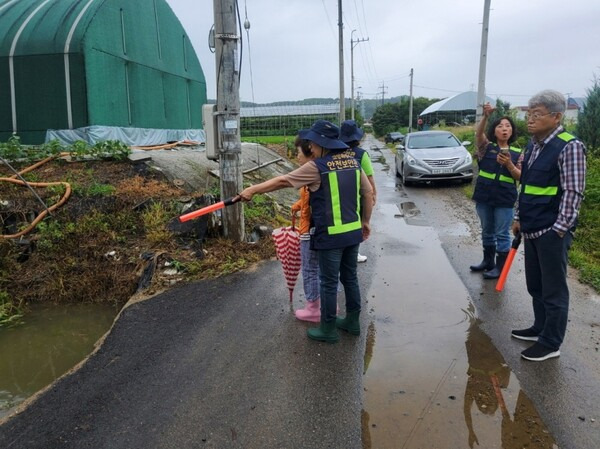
{"x":358,"y":18}
{"x":364,"y":15}
{"x":396,"y":78}
{"x":442,"y":90}
{"x":328,"y":19}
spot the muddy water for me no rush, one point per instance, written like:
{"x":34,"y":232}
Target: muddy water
{"x":432,"y":378}
{"x":52,"y":341}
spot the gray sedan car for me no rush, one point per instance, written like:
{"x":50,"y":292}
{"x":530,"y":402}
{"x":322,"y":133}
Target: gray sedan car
{"x":433,"y":156}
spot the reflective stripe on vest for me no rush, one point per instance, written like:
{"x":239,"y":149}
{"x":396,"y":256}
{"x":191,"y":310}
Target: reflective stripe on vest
{"x":339,"y":227}
{"x":502,"y":178}
{"x":544,"y":191}
{"x":565,"y":136}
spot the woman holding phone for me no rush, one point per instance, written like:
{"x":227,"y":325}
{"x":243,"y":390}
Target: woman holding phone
{"x":496,"y":189}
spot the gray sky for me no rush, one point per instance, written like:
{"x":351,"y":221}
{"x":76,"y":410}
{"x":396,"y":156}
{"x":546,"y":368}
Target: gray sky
{"x":533,"y":45}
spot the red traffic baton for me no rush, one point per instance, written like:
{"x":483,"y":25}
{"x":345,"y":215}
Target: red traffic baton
{"x":509,"y":260}
{"x":209,"y":209}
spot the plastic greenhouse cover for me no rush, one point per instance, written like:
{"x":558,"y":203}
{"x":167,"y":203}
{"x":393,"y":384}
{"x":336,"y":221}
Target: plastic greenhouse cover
{"x":129,"y":136}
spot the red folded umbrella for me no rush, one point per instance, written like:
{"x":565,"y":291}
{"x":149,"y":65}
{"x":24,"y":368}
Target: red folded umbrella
{"x":287,"y":247}
{"x":509,"y":260}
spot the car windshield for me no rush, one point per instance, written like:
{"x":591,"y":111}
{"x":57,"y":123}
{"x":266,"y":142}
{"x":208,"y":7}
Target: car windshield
{"x":395,"y":135}
{"x":433,"y":141}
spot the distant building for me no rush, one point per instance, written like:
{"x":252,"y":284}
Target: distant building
{"x":95,"y":70}
{"x":457,"y":109}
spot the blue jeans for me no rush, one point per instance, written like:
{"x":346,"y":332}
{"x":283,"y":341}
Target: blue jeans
{"x":546,"y":277}
{"x":495,"y":226}
{"x":334,"y":264}
{"x":310,"y":271}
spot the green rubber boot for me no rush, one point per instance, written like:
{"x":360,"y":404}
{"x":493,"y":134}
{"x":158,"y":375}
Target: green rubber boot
{"x":325,"y":332}
{"x":350,"y":323}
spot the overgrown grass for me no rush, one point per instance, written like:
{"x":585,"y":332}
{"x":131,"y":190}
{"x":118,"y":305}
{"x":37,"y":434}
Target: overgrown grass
{"x":10,"y":313}
{"x":274,"y":140}
{"x":14,"y":150}
{"x":585,"y":253}
{"x":155,"y":220}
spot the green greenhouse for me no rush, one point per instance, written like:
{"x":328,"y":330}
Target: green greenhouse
{"x":97,"y":69}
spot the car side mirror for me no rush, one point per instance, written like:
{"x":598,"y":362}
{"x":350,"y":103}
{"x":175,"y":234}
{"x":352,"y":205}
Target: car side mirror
{"x":466,"y":143}
{"x":399,"y":147}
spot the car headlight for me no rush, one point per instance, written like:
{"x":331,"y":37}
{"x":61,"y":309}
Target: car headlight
{"x":411,"y":160}
{"x":468,"y":159}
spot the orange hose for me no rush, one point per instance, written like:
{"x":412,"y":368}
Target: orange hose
{"x":45,"y":212}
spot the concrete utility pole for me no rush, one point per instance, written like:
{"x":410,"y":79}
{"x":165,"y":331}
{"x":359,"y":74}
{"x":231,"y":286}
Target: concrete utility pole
{"x":361,"y":102}
{"x":341,"y":56}
{"x":228,"y":115}
{"x":410,"y":106}
{"x":353,"y":43}
{"x":382,"y":87}
{"x":483,"y":60}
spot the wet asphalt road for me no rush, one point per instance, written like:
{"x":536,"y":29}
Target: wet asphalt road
{"x":217,"y":364}
{"x":565,"y":392}
{"x":223,"y":363}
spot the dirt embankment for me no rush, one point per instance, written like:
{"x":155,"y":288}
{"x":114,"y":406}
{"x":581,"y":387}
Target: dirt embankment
{"x":112,"y":237}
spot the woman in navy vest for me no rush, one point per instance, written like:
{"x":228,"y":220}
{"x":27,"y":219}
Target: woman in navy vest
{"x":496,"y":189}
{"x":341,"y":201}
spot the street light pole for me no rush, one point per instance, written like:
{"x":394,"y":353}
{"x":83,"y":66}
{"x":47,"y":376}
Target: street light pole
{"x":483,"y":61}
{"x":410,"y":106}
{"x":353,"y":43}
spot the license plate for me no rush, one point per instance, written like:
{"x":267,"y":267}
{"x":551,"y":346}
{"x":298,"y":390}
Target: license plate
{"x":439,"y":171}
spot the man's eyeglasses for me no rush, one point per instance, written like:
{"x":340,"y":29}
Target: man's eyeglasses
{"x":536,"y":116}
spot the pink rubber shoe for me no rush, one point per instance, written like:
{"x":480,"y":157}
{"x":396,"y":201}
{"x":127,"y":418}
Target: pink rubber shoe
{"x":311,"y":312}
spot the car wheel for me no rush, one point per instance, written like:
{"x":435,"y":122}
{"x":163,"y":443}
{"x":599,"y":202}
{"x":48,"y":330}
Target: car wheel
{"x":404,"y":181}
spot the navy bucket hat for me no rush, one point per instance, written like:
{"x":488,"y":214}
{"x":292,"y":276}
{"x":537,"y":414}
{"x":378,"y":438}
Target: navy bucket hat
{"x":351,"y":132}
{"x":325,"y":134}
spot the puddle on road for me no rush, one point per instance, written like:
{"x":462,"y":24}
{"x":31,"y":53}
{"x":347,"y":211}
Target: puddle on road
{"x":52,"y":340}
{"x":432,"y":378}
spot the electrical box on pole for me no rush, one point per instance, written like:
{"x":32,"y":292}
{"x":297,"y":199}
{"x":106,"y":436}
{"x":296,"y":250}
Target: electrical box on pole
{"x":209,"y":123}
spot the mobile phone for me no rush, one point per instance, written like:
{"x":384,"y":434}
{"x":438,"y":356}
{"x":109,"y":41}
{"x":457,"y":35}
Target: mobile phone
{"x":504,"y":151}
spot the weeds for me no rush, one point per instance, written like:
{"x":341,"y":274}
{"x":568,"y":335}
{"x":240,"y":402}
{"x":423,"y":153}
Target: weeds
{"x":14,"y":150}
{"x":100,"y":190}
{"x":261,"y":209}
{"x":10,"y":314}
{"x":585,"y":253}
{"x":155,"y":220}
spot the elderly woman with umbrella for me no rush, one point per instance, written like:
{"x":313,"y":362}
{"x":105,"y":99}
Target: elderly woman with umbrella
{"x":341,"y":200}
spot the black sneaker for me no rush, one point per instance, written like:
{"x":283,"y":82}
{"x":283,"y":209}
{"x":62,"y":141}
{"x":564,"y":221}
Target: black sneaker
{"x":538,"y":353}
{"x":525,"y":334}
